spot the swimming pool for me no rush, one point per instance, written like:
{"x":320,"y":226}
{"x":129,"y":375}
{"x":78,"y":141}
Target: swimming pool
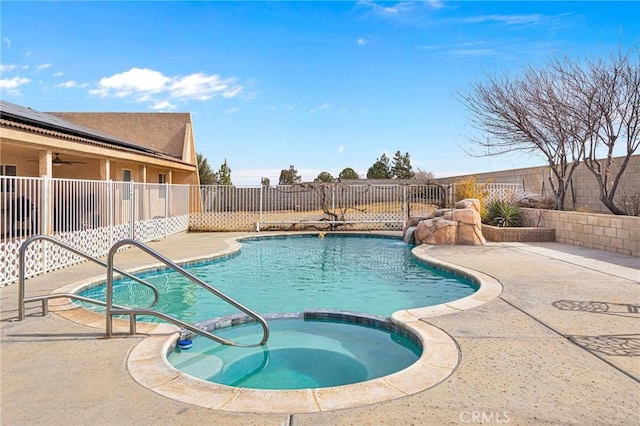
{"x":147,"y":363}
{"x":367,"y":274}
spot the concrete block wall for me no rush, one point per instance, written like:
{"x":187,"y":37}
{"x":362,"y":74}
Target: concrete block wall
{"x":616,"y":234}
{"x":585,"y":192}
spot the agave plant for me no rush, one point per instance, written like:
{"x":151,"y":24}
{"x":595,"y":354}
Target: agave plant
{"x":503,"y":214}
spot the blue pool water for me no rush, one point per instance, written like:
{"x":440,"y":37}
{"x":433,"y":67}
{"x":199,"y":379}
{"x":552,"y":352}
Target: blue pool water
{"x":372,"y":275}
{"x":300,"y":354}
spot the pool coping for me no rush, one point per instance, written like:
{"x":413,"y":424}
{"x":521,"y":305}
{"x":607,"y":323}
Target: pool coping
{"x":147,"y":363}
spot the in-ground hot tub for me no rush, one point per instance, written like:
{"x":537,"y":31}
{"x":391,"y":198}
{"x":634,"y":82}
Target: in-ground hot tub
{"x":304,"y":351}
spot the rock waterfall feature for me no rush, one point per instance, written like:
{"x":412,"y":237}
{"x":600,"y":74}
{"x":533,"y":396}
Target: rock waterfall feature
{"x":461,"y":225}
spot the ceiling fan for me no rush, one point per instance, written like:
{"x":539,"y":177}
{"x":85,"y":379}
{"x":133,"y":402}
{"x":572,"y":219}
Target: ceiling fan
{"x":58,"y":162}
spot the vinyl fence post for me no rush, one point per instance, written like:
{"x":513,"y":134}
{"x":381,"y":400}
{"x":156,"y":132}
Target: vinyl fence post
{"x":46,"y":205}
{"x":132,"y":221}
{"x":167,"y":200}
{"x":110,"y":212}
{"x":260,"y":210}
{"x":405,"y":210}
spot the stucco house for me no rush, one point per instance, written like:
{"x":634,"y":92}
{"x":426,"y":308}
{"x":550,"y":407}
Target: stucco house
{"x":141,"y":147}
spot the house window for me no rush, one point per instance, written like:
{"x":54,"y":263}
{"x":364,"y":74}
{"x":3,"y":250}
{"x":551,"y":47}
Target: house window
{"x":162,"y":178}
{"x":8,"y":184}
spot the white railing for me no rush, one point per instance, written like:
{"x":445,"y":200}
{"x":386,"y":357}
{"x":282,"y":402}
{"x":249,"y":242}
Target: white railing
{"x":87,"y":215}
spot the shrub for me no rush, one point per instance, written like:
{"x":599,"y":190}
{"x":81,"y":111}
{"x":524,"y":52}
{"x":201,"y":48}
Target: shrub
{"x":536,"y":202}
{"x":631,"y":203}
{"x":470,"y":188}
{"x":503,"y":214}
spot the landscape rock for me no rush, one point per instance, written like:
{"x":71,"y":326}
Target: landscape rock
{"x":461,"y":225}
{"x":436,"y":231}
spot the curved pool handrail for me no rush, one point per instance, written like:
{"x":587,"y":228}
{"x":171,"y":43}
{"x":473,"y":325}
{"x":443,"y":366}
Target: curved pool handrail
{"x":133,"y":312}
{"x":22,"y":277}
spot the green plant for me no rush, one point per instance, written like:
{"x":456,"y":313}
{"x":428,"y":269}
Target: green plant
{"x":503,"y":214}
{"x":469,"y":187}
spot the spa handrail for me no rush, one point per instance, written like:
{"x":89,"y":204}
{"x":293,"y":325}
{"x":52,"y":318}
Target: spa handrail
{"x":133,"y":312}
{"x":22,"y":300}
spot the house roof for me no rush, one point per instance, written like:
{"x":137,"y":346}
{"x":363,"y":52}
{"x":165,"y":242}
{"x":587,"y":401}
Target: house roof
{"x":28,"y":119}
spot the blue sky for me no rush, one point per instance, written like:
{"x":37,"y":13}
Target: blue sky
{"x":318,"y":85}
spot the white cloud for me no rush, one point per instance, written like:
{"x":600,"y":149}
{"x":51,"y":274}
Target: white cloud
{"x":325,"y":106}
{"x":340,"y":149}
{"x":12,"y":84}
{"x":362,"y":41}
{"x":472,"y":52}
{"x":202,"y":87}
{"x":143,"y":85}
{"x":67,"y":84}
{"x":430,"y":47}
{"x":163,"y":106}
{"x":135,"y":81}
{"x":4,"y":68}
{"x":7,"y":41}
{"x":399,"y":8}
{"x":234,"y":91}
{"x":42,"y":67}
{"x":533,"y":18}
{"x":232,"y":110}
{"x":58,"y":74}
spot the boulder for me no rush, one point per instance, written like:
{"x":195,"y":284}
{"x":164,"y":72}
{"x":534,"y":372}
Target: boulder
{"x":437,"y":231}
{"x":469,"y":203}
{"x":461,"y":225}
{"x":469,"y":227}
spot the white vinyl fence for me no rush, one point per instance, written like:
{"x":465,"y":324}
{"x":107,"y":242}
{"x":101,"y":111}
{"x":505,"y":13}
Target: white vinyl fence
{"x":87,"y":215}
{"x":93,"y":215}
{"x":322,"y":206}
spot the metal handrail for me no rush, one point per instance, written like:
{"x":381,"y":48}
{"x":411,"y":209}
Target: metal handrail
{"x":133,"y":312}
{"x":21,"y":278}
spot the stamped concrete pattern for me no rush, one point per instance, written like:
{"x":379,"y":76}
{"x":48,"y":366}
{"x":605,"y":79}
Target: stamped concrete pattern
{"x":559,"y":345}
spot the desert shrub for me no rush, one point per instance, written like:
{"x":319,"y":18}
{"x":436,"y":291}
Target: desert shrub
{"x":502,"y":213}
{"x":469,"y":187}
{"x":536,"y":202}
{"x":631,"y":203}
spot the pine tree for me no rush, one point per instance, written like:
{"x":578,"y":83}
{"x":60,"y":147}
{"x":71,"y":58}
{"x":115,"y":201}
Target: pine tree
{"x":348,"y":173}
{"x":325,"y":177}
{"x":206,"y":175}
{"x":401,"y":168}
{"x":289,"y":177}
{"x":380,"y":169}
{"x":224,"y":174}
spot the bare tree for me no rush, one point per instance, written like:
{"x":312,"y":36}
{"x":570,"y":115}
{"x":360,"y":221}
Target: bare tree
{"x":609,"y":95}
{"x":424,"y":175}
{"x":528,"y":113}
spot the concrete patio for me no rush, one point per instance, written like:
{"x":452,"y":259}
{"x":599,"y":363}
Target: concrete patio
{"x":560,"y":345}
